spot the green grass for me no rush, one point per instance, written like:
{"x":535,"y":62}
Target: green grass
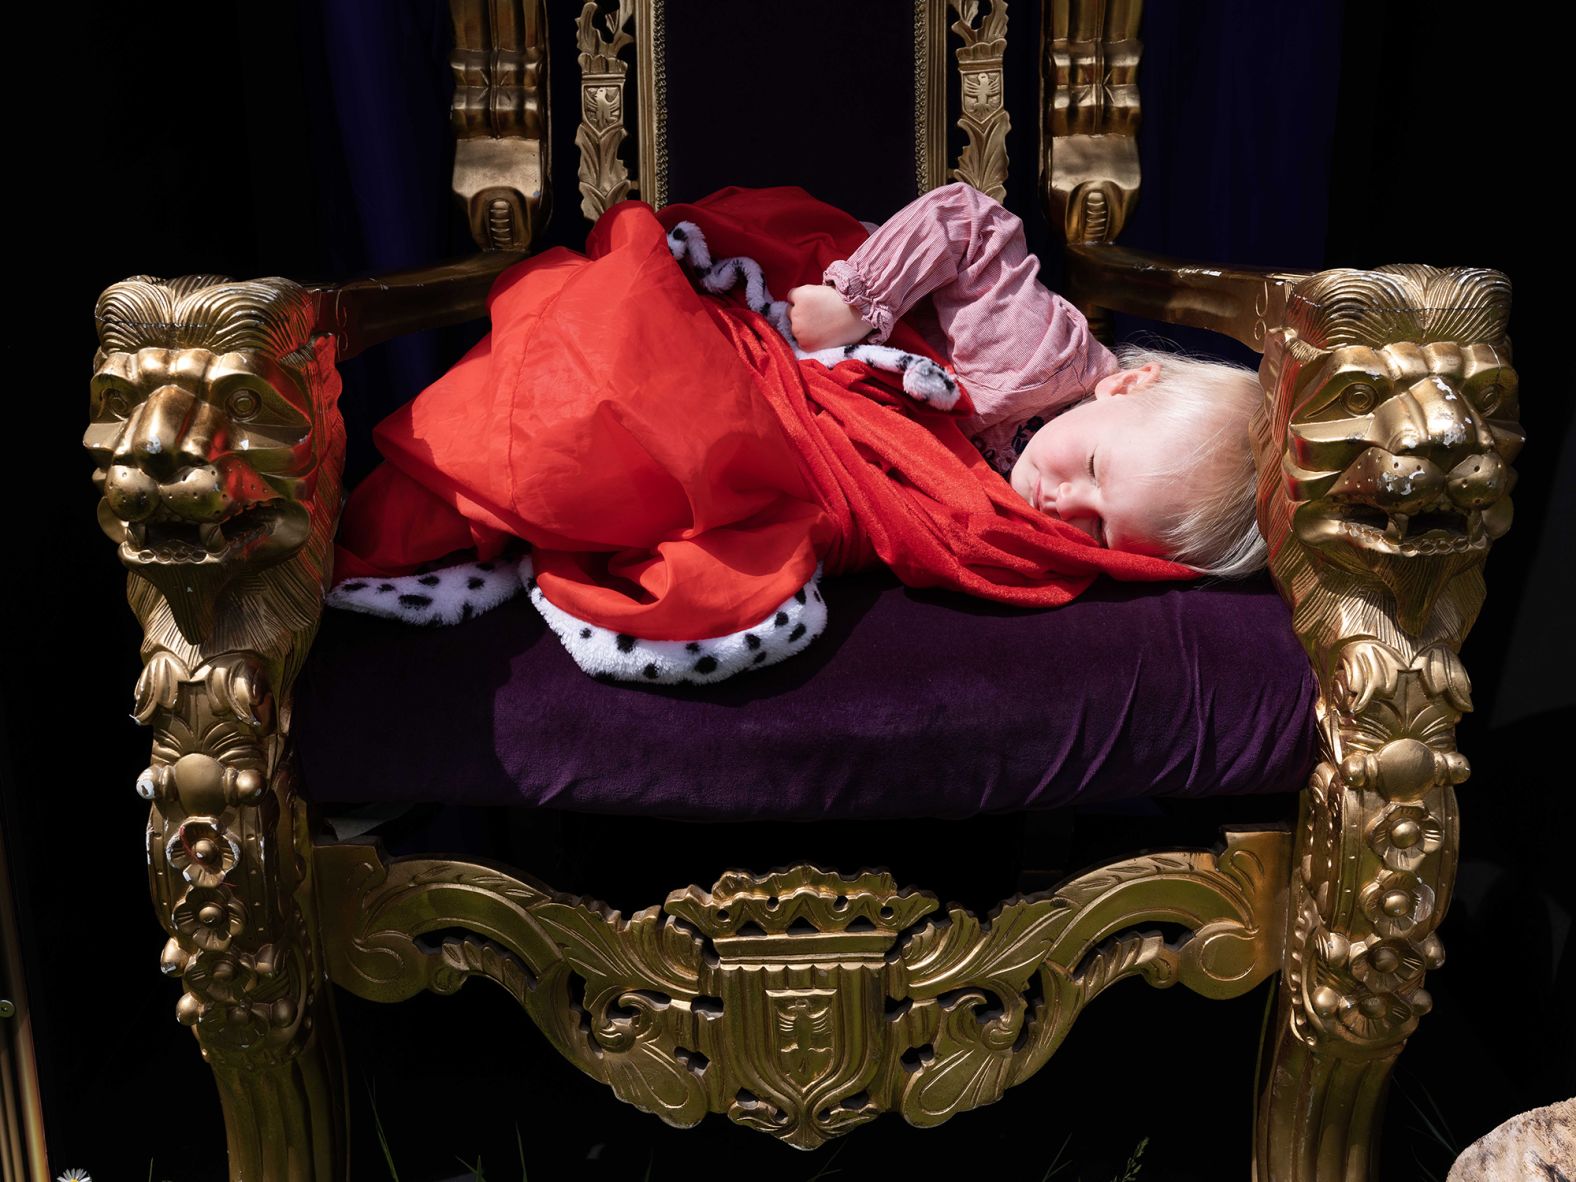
{"x":1434,"y":1127}
{"x":1133,"y":1166}
{"x":377,"y":1121}
{"x":1057,"y":1164}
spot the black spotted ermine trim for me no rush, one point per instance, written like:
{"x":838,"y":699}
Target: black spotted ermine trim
{"x":618,"y":656}
{"x":451,"y":595}
{"x":923,"y":380}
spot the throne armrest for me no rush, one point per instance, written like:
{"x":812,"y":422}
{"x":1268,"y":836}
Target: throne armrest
{"x":361,"y":313}
{"x":1241,"y":302}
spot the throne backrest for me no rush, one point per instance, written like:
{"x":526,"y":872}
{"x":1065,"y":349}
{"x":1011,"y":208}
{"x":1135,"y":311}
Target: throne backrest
{"x":669,"y":103}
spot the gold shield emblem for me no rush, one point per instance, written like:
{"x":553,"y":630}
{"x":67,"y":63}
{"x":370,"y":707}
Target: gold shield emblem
{"x":803,"y":1031}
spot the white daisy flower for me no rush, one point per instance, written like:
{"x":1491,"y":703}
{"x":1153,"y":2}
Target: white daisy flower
{"x":74,"y":1176}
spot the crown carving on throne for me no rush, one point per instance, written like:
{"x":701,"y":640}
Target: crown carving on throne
{"x":851,"y":914}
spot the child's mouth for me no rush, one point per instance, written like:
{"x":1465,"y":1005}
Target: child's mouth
{"x":1039,"y":501}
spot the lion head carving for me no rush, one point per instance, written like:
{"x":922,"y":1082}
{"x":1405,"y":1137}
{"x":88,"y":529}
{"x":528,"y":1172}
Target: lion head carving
{"x":217,"y":445}
{"x":1391,"y":408}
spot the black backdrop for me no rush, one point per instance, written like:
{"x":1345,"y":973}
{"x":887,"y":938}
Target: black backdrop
{"x":310,"y":139}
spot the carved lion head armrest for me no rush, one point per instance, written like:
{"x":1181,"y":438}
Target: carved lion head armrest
{"x":218,"y":450}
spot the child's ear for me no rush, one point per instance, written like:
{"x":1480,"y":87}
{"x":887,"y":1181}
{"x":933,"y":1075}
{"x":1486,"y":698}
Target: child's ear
{"x":1145,"y":374}
{"x":1125,"y":381}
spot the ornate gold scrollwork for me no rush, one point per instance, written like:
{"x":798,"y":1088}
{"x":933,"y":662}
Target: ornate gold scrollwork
{"x":604,"y":179}
{"x":500,"y":118}
{"x":983,"y":160}
{"x":803,"y":1003}
{"x":218,"y":450}
{"x":1389,"y":428}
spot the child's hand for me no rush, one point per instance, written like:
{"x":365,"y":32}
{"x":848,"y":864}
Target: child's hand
{"x":820,"y":319}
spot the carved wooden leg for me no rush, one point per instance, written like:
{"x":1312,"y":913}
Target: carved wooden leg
{"x":286,"y":1120}
{"x":230,"y":864}
{"x":1371,"y":886}
{"x":1370,"y":883}
{"x":1385,"y":446}
{"x":220,"y":473}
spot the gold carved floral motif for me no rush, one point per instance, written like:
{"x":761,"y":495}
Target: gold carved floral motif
{"x":804,"y":1003}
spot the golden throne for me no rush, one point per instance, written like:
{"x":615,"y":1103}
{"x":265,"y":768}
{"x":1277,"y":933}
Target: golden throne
{"x":1384,"y":443}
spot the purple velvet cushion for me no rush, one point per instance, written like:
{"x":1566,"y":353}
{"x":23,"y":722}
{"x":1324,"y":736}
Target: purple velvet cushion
{"x":912,"y":704}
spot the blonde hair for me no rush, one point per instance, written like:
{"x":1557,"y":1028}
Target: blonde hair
{"x":1208,"y":405}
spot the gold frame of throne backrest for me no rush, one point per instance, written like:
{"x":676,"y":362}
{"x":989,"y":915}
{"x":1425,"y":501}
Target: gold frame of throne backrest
{"x":603,"y":36}
{"x":802,"y":1002}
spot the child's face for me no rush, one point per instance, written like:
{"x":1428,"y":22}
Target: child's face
{"x":1088,"y":466}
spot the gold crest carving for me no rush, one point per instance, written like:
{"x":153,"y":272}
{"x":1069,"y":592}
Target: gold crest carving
{"x":805,"y":1003}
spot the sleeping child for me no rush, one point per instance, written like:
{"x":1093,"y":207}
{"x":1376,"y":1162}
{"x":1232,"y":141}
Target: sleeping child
{"x":1025,"y":355}
{"x":685,"y":456}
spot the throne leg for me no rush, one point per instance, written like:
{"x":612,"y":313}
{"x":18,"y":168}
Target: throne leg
{"x":286,"y":1120}
{"x":263,"y":1014}
{"x":1371,"y":878}
{"x":1384,"y":446}
{"x":222,"y":507}
{"x":1321,"y":1113}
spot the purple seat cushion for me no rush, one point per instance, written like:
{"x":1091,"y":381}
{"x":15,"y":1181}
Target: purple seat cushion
{"x":912,"y":704}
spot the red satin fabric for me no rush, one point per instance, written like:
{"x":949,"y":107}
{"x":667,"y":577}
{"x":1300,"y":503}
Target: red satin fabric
{"x":676,"y":471}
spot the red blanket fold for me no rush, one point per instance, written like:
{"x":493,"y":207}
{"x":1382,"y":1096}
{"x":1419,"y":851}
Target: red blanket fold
{"x":676,"y":470}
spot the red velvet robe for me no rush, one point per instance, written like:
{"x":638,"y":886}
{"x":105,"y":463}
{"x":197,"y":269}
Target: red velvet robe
{"x":677,"y":472}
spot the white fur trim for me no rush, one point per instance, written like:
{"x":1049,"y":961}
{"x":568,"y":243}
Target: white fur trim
{"x":923,"y":380}
{"x":601,"y":652}
{"x":447,"y":596}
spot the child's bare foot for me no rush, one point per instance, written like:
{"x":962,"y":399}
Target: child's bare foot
{"x":820,"y":319}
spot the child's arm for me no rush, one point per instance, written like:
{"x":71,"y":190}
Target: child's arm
{"x":1019,"y":348}
{"x":949,"y":236}
{"x":919,"y":249}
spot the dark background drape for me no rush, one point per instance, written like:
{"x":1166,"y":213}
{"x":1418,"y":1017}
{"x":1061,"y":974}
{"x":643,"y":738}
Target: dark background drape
{"x":311,"y":139}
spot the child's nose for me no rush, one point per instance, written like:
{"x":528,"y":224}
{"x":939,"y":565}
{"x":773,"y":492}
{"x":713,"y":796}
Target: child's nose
{"x":1074,"y":507}
{"x":1071,"y":498}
